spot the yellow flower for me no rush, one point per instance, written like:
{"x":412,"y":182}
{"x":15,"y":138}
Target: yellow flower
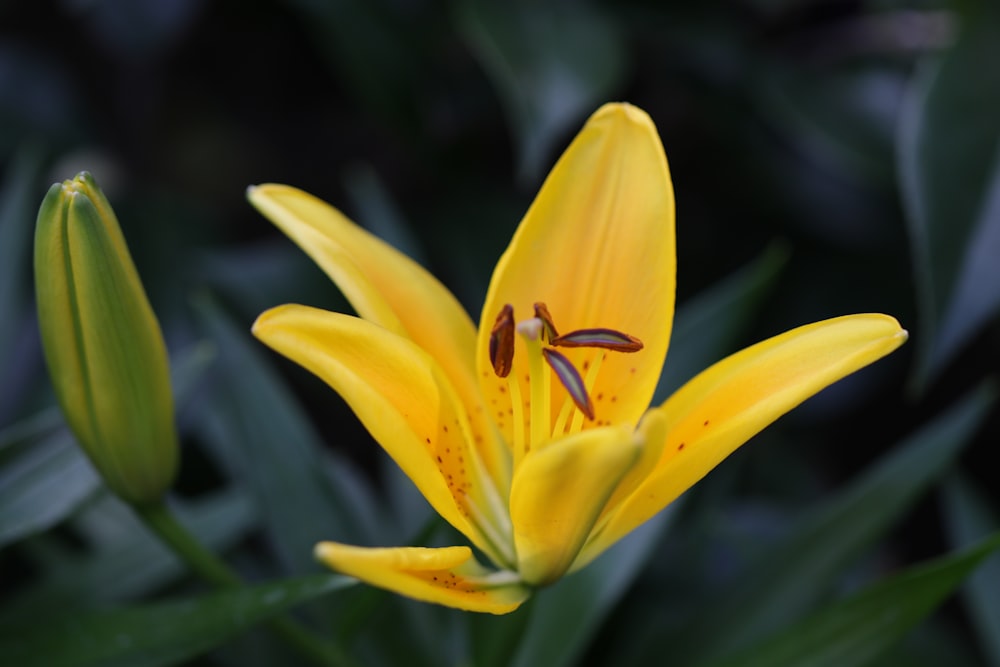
{"x":534,"y":436}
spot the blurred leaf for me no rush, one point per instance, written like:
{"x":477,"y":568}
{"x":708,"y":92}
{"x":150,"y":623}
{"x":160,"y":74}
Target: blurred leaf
{"x":377,"y":212}
{"x":843,"y":117}
{"x":975,"y":299}
{"x":157,"y":634}
{"x":968,"y":518}
{"x":794,"y":573}
{"x":123,"y":559}
{"x":553,"y":64}
{"x":265,"y":439}
{"x":709,"y":326}
{"x":565,"y":617}
{"x":42,"y":485}
{"x":858,"y":630}
{"x":46,"y":478}
{"x":950,"y":171}
{"x":17,"y":437}
{"x":17,"y":225}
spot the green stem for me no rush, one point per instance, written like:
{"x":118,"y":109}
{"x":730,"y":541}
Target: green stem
{"x":210,"y":568}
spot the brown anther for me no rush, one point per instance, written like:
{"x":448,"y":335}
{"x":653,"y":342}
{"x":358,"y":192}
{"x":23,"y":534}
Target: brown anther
{"x":502,"y":342}
{"x":571,"y":380}
{"x":608,"y":339}
{"x":542,"y":313}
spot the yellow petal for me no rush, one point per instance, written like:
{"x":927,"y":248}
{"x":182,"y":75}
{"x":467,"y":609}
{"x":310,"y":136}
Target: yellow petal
{"x":384,"y":286}
{"x":448,"y":575}
{"x":726,"y":405}
{"x":406,"y":403}
{"x":559,"y":492}
{"x":651,"y":437}
{"x":597,"y":246}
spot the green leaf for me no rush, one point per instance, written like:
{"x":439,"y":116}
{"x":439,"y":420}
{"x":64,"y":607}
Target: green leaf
{"x":377,"y":212}
{"x":566,"y":616}
{"x":157,"y":634}
{"x":43,"y":485}
{"x":858,"y":630}
{"x":46,"y":476}
{"x":264,"y":438}
{"x":793,"y":574}
{"x":709,"y":326}
{"x":552,"y":64}
{"x":949,"y":162}
{"x":969,"y":518}
{"x":122,"y":559}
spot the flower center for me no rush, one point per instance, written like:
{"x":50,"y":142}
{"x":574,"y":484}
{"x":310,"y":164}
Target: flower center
{"x":541,"y":338}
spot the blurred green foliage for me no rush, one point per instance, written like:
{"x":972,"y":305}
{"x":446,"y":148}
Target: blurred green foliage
{"x":829,"y":157}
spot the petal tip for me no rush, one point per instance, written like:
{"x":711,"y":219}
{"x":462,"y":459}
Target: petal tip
{"x":623,"y":111}
{"x":266,"y":319}
{"x":323,"y":550}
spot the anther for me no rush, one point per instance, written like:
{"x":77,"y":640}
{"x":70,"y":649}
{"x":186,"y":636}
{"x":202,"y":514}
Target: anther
{"x":604,"y":338}
{"x":570,"y":378}
{"x":502,"y":342}
{"x":542,"y":313}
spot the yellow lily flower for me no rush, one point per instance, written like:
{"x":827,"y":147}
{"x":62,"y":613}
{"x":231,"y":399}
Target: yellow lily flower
{"x":533,"y":435}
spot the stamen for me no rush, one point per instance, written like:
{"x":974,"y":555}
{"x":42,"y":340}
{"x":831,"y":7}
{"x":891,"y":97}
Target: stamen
{"x":570,"y":379}
{"x":531,"y":331}
{"x":502,"y":342}
{"x":542,"y":313}
{"x":517,"y":425}
{"x":595,"y":366}
{"x":605,"y":338}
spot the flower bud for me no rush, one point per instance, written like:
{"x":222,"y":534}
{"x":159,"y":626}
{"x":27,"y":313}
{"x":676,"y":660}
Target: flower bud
{"x":103,"y":345}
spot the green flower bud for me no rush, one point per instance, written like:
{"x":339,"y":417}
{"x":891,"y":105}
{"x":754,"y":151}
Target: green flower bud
{"x":103,"y":345}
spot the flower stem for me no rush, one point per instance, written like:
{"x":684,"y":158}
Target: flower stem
{"x":209,"y":567}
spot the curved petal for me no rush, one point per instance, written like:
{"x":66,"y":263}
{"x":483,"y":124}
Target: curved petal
{"x":448,"y":575}
{"x":733,"y":400}
{"x":651,"y":437}
{"x":384,"y":285}
{"x":406,"y":403}
{"x":597,"y":247}
{"x":559,"y":492}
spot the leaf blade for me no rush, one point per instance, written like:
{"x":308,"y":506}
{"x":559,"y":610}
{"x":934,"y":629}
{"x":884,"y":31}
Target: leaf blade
{"x":857,"y":630}
{"x":159,"y":634}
